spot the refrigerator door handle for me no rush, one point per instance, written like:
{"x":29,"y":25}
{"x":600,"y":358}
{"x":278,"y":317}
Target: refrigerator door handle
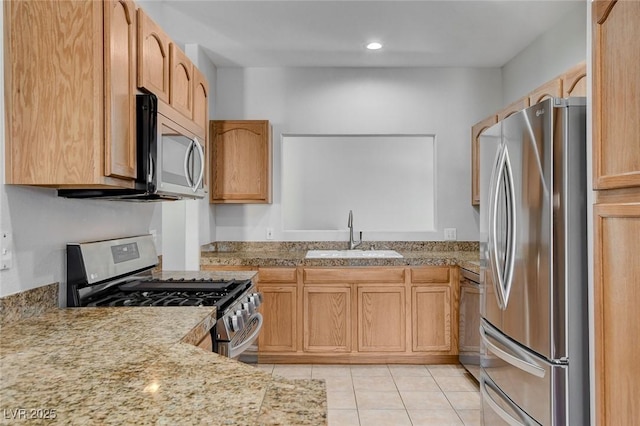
{"x":498,"y":278}
{"x":503,"y":276}
{"x":508,"y":418}
{"x":511,"y":251}
{"x":510,"y":359}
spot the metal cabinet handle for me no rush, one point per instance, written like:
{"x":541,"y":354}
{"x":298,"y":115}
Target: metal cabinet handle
{"x":510,"y":359}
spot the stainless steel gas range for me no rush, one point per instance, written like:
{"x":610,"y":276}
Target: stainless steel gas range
{"x":113,"y":273}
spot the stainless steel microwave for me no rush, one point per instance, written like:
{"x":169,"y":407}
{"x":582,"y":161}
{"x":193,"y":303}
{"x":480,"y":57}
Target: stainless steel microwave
{"x":170,"y":160}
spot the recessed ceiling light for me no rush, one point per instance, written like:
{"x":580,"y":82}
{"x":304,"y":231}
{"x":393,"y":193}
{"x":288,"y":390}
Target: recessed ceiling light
{"x":374,"y":46}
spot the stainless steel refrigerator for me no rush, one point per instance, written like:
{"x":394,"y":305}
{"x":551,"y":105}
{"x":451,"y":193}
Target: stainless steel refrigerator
{"x":533,"y":251}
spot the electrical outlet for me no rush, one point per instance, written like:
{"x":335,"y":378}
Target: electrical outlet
{"x":450,"y":234}
{"x":269,"y":233}
{"x":6,"y":251}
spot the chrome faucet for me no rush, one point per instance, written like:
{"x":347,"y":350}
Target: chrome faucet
{"x":352,"y":244}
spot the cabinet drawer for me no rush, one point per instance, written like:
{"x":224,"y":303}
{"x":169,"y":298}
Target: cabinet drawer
{"x":352,"y":275}
{"x":430,"y":275}
{"x":280,"y":275}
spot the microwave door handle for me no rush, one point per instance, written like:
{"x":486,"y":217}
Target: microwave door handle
{"x":201,"y":152}
{"x":187,"y":171}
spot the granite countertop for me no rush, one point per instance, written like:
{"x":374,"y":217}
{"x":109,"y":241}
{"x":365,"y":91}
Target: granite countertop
{"x":463,"y":254}
{"x":139,"y":365}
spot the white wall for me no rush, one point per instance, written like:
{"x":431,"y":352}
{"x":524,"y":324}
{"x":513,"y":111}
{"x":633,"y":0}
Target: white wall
{"x":440,"y":101}
{"x":42,"y":224}
{"x":547,"y":56}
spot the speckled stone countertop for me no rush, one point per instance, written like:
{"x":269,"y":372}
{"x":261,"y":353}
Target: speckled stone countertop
{"x":292,"y":254}
{"x":139,"y":366}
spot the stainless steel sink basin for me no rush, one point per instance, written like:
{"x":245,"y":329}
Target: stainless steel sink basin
{"x":352,"y":254}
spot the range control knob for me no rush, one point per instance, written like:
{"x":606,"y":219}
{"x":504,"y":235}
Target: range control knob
{"x":236,"y":322}
{"x":249,"y":307}
{"x":256,"y":298}
{"x":243,"y":313}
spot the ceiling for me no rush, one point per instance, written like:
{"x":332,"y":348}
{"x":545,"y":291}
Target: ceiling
{"x":305,"y":33}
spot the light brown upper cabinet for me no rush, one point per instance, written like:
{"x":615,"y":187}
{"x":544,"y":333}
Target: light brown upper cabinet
{"x":241,"y":161}
{"x":476,"y":131}
{"x":70,"y":106}
{"x":181,"y":87}
{"x":200,"y":100}
{"x":616,"y":215}
{"x":153,"y":57}
{"x":551,"y":89}
{"x":616,"y":94}
{"x":574,"y":81}
{"x":514,"y":107}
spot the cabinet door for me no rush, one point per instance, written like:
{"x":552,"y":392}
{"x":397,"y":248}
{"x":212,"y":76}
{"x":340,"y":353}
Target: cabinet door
{"x":200,"y":100}
{"x":327,"y":318}
{"x":153,"y":57}
{"x":241,"y":161}
{"x":551,"y":89}
{"x":432,"y":318}
{"x":120,"y":88}
{"x":469,"y":317}
{"x":50,"y":83}
{"x":279,"y":312}
{"x":476,"y":131}
{"x":617,"y":298}
{"x":514,"y":107}
{"x":574,"y":81}
{"x":616,"y":94}
{"x":381,"y":318}
{"x":181,"y":87}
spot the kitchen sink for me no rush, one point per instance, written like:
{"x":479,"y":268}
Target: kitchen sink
{"x":352,"y":254}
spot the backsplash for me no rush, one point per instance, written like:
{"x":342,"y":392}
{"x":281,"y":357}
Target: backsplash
{"x":296,"y":246}
{"x":28,"y":303}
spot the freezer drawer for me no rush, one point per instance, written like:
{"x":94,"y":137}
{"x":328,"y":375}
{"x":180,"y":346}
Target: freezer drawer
{"x":498,"y":409}
{"x":527,"y":381}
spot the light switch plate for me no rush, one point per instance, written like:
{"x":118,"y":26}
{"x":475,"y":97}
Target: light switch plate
{"x":269,"y":233}
{"x":450,"y":234}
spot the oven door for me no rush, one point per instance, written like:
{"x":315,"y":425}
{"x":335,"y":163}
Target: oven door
{"x":243,"y":339}
{"x":180,"y":161}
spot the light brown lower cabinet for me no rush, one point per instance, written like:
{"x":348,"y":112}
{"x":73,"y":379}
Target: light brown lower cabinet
{"x":359,"y":315}
{"x":279,"y":311}
{"x":327,"y":318}
{"x":381,"y":318}
{"x":431,"y":312}
{"x":617,"y":297}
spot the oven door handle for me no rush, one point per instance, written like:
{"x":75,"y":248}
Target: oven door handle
{"x":244,"y":345}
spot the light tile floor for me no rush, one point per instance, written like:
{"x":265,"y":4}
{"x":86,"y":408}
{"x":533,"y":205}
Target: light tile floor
{"x":396,"y":395}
